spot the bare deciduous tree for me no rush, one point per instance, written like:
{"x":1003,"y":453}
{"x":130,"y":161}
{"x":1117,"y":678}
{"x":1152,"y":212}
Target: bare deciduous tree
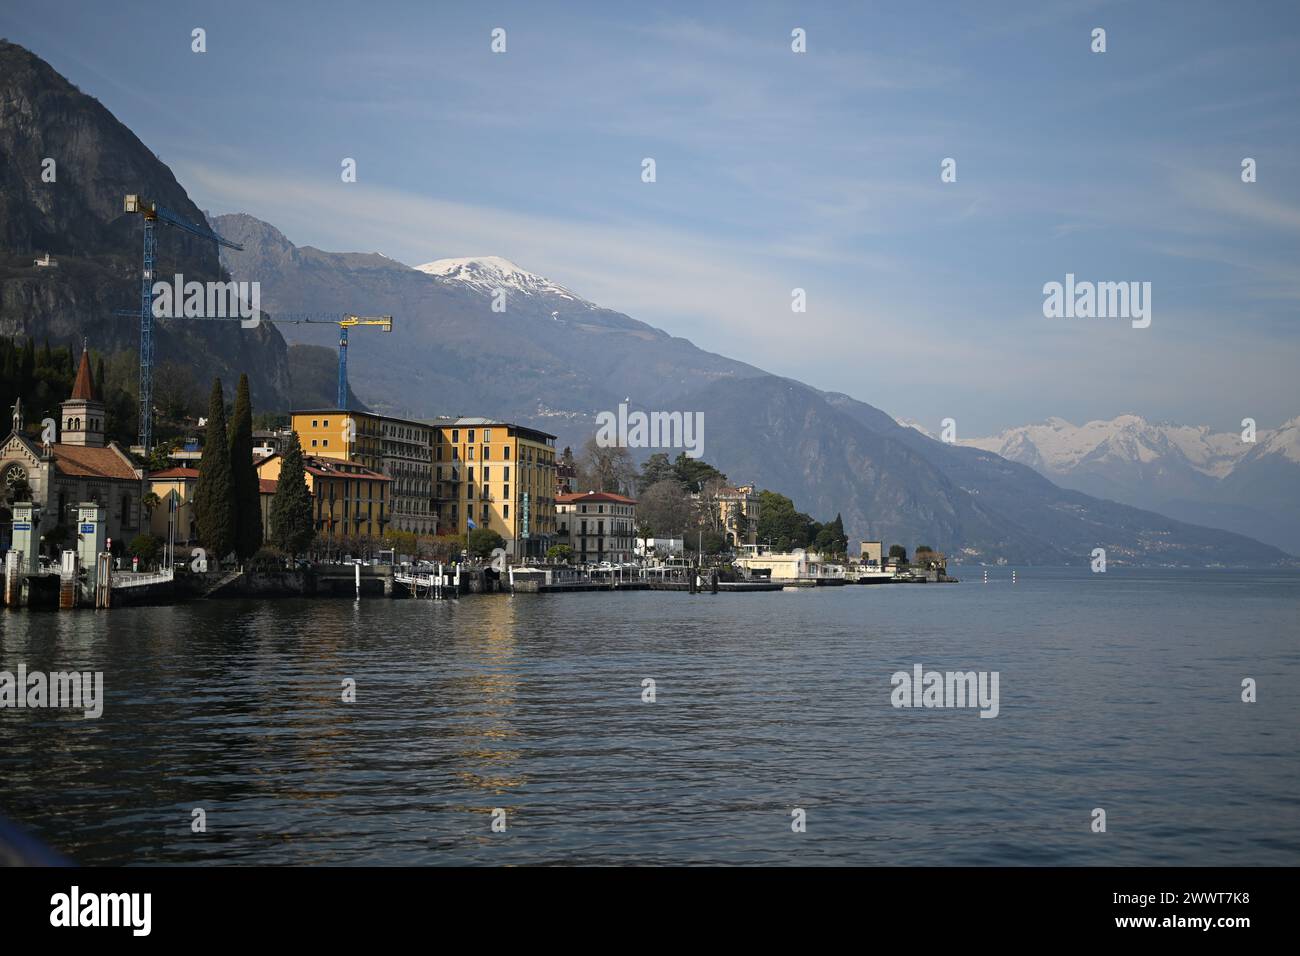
{"x":605,"y":469}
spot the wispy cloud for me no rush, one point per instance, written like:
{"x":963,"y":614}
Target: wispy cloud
{"x":778,"y":170}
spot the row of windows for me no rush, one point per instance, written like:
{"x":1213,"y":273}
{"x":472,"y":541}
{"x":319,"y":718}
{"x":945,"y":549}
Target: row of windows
{"x":406,"y":432}
{"x":537,"y":522}
{"x":484,"y":453}
{"x":455,"y":434}
{"x":422,"y":436}
{"x":599,"y":531}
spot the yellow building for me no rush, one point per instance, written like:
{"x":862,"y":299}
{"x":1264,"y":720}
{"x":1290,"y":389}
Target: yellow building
{"x":491,"y":474}
{"x":400,"y":449}
{"x":738,"y":514}
{"x":349,"y":501}
{"x":181,"y":481}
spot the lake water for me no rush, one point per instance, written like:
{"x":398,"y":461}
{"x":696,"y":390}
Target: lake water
{"x":1119,"y":690}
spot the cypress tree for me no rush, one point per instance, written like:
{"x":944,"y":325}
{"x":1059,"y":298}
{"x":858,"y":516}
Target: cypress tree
{"x":244,"y":480}
{"x":214,"y":494}
{"x":292,"y":528}
{"x":12,"y":378}
{"x":27,"y":368}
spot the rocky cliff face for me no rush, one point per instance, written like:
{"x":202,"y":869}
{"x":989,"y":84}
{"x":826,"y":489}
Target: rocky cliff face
{"x":77,"y":218}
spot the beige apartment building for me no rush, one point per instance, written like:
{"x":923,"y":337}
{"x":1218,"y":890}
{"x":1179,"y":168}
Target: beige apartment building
{"x":597,"y":525}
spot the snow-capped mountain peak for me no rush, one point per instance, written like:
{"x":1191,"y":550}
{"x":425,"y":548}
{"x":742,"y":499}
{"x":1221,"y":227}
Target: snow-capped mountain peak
{"x":1189,"y":472}
{"x":489,"y":273}
{"x":1057,"y":446}
{"x":1283,"y":440}
{"x":908,"y":423}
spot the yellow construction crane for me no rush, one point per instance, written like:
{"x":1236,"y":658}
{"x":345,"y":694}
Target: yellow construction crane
{"x":344,"y":322}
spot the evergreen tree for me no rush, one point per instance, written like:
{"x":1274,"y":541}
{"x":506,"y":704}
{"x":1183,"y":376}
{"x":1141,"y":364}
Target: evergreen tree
{"x":292,"y":528}
{"x":694,"y":473}
{"x":11,"y":358}
{"x":243,"y":476}
{"x":839,"y":540}
{"x":654,"y":469}
{"x":214,"y":499}
{"x":27,"y":368}
{"x":780,"y":523}
{"x":483,"y":541}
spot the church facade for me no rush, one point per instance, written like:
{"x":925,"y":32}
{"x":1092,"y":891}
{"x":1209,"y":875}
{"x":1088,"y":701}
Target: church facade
{"x":70,"y":464}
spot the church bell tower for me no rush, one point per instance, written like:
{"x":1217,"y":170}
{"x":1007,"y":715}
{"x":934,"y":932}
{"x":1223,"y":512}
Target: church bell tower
{"x":82,"y":415}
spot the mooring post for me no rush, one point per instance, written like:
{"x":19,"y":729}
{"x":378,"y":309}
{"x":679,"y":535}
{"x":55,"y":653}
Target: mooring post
{"x":68,"y":581}
{"x":104,"y":580}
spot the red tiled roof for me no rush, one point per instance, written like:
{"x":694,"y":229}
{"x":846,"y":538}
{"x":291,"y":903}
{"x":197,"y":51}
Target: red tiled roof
{"x":81,"y":461}
{"x":178,"y":472}
{"x":324,"y":467}
{"x":576,"y":496}
{"x":330,"y":468}
{"x":85,"y":384}
{"x":267,"y":485}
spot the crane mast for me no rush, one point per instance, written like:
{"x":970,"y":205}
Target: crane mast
{"x":152,"y":213}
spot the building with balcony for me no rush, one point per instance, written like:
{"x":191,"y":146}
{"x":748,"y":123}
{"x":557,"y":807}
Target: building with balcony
{"x":498,"y":475}
{"x":349,"y":501}
{"x":397,"y":448}
{"x":597,"y":525}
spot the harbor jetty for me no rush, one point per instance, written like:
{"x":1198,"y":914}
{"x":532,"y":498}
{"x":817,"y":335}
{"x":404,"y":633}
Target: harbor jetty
{"x":101,"y":584}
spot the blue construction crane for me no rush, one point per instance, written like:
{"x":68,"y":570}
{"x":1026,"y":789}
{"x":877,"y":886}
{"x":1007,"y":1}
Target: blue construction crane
{"x":154,"y":213}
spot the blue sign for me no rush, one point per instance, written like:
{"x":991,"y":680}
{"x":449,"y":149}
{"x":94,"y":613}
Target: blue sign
{"x":87,"y":529}
{"x":24,"y":526}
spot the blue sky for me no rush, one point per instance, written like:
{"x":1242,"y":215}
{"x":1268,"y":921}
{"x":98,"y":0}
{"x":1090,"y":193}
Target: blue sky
{"x":778,"y":170}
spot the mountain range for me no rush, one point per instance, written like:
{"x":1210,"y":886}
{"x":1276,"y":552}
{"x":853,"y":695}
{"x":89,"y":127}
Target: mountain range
{"x":483,"y":336}
{"x":1223,"y":479}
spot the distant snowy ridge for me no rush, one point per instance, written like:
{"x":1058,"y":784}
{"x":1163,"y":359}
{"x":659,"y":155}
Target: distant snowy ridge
{"x":908,"y":423}
{"x":489,"y":273}
{"x":1058,"y":447}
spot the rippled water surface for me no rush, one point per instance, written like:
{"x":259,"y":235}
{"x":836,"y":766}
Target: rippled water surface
{"x":1119,"y":691}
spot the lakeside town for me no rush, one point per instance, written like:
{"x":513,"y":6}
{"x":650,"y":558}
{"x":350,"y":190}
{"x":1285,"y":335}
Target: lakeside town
{"x":328,"y":498}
